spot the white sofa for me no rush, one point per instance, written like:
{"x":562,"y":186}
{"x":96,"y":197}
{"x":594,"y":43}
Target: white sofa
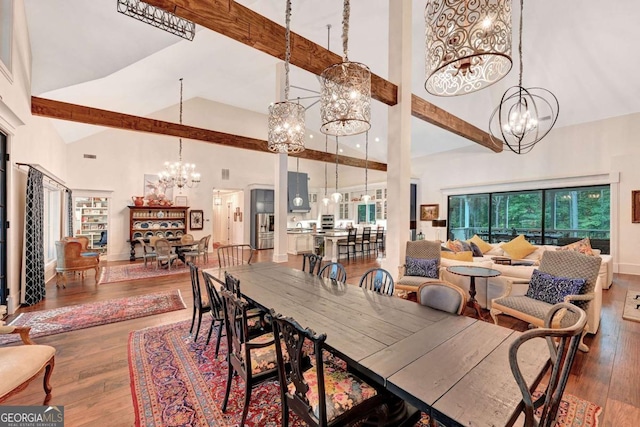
{"x":519,"y":275}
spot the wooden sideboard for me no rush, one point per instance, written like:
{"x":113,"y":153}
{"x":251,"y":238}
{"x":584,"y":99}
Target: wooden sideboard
{"x":170,"y":222}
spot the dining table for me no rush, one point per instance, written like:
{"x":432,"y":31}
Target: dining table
{"x":454,"y":368}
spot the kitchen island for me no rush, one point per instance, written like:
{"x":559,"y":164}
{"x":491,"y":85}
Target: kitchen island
{"x":331,"y":238}
{"x":299,"y":241}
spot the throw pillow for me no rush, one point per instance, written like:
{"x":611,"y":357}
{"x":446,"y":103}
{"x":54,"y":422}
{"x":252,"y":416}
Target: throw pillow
{"x":475,"y":250}
{"x":421,"y":267}
{"x":552,"y":289}
{"x":459,"y":246}
{"x":484,"y":246}
{"x":518,"y":248}
{"x":583,"y":246}
{"x":458,"y":256}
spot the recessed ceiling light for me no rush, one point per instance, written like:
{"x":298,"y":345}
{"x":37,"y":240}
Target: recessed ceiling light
{"x":341,"y":150}
{"x":377,"y":139}
{"x":357,"y":145}
{"x":311,"y":135}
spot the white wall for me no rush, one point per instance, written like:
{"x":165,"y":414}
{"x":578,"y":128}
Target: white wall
{"x":591,"y":153}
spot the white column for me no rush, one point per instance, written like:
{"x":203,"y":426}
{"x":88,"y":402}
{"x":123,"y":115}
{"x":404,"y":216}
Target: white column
{"x":399,"y":137}
{"x":280,"y":186}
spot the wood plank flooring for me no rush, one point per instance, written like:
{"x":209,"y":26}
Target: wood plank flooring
{"x":91,"y":376}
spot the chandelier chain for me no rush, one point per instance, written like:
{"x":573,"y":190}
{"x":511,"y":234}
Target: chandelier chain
{"x":520,"y":42}
{"x":366,"y":164}
{"x":287,"y":54}
{"x":336,"y":163}
{"x":345,"y":29}
{"x":326,"y":143}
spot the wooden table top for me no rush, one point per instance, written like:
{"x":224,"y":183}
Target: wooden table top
{"x":452,"y":366}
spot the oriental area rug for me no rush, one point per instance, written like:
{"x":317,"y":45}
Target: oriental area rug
{"x":137,"y":271}
{"x":71,"y":318}
{"x":176,"y":382}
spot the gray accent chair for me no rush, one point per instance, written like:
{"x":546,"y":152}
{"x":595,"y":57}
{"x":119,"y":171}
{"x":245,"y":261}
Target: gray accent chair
{"x":442,"y":296}
{"x":425,"y":249}
{"x":558,"y":263}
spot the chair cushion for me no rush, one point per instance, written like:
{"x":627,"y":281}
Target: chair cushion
{"x":264,"y":358}
{"x":421,"y":267}
{"x":534,"y":308}
{"x":89,"y":254}
{"x":484,"y":246}
{"x":518,"y":248}
{"x":343,"y":391}
{"x":458,"y":256}
{"x":552,"y":289}
{"x":414,"y":280}
{"x":583,"y":246}
{"x":19,"y":363}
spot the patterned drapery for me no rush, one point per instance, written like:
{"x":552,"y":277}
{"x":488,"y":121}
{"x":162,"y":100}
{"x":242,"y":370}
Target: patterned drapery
{"x":69,"y":213}
{"x":34,"y":246}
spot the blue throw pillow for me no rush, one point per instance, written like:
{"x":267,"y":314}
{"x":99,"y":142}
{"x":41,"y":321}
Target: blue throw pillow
{"x":551,"y":289}
{"x":475,"y":249}
{"x":422,"y":267}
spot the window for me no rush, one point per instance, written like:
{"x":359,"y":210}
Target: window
{"x":6,"y":32}
{"x":52,"y":222}
{"x":553,"y":217}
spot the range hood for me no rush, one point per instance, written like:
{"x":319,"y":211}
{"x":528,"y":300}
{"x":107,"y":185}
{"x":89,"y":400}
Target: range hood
{"x":297,"y":184}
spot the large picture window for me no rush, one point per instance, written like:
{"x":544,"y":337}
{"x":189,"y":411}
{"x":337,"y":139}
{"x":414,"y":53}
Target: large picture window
{"x":52,"y":222}
{"x":552,"y":217}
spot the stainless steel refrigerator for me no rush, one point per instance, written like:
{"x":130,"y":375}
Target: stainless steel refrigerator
{"x":265,"y":224}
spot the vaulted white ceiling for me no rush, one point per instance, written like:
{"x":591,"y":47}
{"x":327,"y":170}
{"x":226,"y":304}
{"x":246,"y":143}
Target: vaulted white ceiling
{"x":85,"y":52}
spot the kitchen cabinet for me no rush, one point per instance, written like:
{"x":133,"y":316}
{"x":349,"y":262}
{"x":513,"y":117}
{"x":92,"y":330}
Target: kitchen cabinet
{"x":297,"y":185}
{"x":299,"y":243}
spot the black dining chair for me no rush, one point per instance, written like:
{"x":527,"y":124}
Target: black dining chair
{"x":378,"y":280}
{"x":199,"y":306}
{"x":230,"y":255}
{"x":313,"y":261}
{"x":363,"y":244}
{"x":563,"y":344}
{"x":310,"y":391}
{"x":217,"y":312}
{"x":334,"y":271}
{"x":349,"y":244}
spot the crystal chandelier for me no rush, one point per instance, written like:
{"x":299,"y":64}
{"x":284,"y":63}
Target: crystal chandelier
{"x":345,"y":101}
{"x":337,"y":196}
{"x":468,"y":45}
{"x":525,"y":115}
{"x":178,"y":174}
{"x":297,"y":201}
{"x":366,"y":197}
{"x":325,"y":199}
{"x":286,"y":119}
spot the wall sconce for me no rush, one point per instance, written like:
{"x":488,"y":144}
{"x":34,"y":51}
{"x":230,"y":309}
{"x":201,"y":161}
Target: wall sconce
{"x":237,"y":215}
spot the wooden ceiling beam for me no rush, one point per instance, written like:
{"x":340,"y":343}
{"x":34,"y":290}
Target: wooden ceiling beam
{"x":252,"y":29}
{"x":94,"y":116}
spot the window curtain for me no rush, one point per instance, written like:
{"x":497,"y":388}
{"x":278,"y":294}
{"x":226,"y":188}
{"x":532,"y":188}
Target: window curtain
{"x":69,"y":213}
{"x":34,"y":289}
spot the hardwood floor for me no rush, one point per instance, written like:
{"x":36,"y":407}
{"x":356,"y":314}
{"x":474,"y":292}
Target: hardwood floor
{"x":91,"y":375}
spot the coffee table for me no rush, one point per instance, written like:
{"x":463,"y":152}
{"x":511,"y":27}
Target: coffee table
{"x":473,"y":272}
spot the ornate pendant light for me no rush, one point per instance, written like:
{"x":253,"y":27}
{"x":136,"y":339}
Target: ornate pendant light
{"x":345,"y":101}
{"x":366,"y":197}
{"x":525,"y":115}
{"x":286,"y":119}
{"x":325,"y":199}
{"x":468,"y":45}
{"x":337,"y":196}
{"x":297,"y":201}
{"x":217,"y":201}
{"x":179,"y":174}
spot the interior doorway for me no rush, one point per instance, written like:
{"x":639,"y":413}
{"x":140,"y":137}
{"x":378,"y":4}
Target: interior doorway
{"x":228,"y":217}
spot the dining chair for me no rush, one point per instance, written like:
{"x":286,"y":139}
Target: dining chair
{"x":334,"y":271}
{"x":349,"y":243}
{"x":378,"y":280}
{"x":187,"y":238}
{"x":378,"y":240}
{"x":199,"y":306}
{"x":313,"y":261}
{"x":253,"y":360}
{"x":442,"y":296}
{"x":153,"y":240}
{"x":230,"y":255}
{"x":147,"y":251}
{"x":322,"y":394}
{"x":363,"y":241}
{"x":197,"y":251}
{"x":164,"y":253}
{"x":206,"y":248}
{"x":563,"y":344}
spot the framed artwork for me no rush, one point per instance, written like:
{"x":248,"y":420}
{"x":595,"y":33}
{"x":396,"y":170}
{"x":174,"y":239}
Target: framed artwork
{"x":153,"y":187}
{"x":181,"y":201}
{"x":635,"y":206}
{"x":429,"y":212}
{"x":196,"y":220}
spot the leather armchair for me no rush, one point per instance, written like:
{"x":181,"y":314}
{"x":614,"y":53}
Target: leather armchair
{"x":22,"y":363}
{"x":70,"y":258}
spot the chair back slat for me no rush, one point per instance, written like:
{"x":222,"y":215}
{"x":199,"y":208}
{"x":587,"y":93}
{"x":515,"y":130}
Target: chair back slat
{"x":313,"y":261}
{"x":235,"y":321}
{"x":230,"y":255}
{"x":377,"y":280}
{"x":366,"y":234}
{"x":232,"y":284}
{"x":334,"y":271}
{"x":214,"y":297}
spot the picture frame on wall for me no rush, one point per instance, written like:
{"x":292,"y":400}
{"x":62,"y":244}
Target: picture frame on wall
{"x":635,"y":206}
{"x":181,"y":201}
{"x":196,"y":220}
{"x":429,"y":212}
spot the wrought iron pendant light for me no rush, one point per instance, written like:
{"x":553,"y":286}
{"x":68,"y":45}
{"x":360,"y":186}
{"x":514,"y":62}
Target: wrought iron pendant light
{"x":337,"y":196}
{"x":468,"y":45}
{"x":286,"y":119}
{"x":345,"y":101}
{"x":366,"y":197}
{"x":525,"y":115}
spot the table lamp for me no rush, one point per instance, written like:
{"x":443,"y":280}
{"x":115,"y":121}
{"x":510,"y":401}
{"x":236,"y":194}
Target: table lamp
{"x":438,"y":224}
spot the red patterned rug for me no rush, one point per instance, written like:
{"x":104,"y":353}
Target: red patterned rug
{"x":71,"y":318}
{"x":125,"y":272}
{"x":176,"y":382}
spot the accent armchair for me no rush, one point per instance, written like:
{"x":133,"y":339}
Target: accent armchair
{"x":411,"y":276}
{"x":22,"y":363}
{"x":70,"y":258}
